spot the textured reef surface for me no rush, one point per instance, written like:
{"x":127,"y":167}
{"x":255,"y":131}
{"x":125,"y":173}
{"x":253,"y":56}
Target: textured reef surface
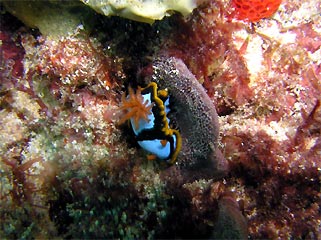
{"x":244,"y":99}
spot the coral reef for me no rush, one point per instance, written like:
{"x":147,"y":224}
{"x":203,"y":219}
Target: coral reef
{"x":69,"y":170}
{"x":265,"y":81}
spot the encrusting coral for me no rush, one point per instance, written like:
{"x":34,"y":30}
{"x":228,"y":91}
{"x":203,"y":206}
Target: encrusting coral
{"x":144,"y":11}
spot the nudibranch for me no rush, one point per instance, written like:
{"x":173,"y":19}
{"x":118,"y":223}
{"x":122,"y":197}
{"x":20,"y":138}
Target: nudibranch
{"x":147,"y":110}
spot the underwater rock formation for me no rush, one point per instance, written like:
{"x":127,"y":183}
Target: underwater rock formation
{"x":230,"y":224}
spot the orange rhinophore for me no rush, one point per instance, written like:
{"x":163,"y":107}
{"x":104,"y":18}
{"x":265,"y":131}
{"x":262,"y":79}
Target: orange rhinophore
{"x":255,"y":10}
{"x":135,"y":107}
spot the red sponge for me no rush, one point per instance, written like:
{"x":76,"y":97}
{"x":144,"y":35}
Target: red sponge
{"x":254,"y":10}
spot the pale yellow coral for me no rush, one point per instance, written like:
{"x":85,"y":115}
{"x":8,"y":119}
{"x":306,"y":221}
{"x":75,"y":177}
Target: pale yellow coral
{"x":142,"y":10}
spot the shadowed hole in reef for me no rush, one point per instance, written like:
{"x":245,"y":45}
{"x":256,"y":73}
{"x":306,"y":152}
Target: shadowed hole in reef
{"x":58,"y":213}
